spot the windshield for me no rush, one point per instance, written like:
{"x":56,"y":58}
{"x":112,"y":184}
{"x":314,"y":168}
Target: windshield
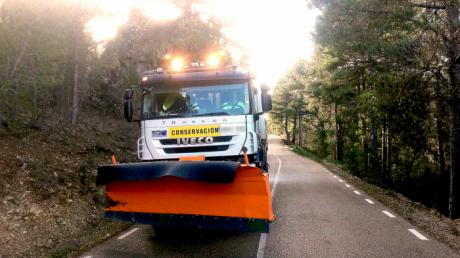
{"x":228,"y":99}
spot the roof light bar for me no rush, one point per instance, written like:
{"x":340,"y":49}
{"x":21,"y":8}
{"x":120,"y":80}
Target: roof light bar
{"x":177,"y":64}
{"x":213,"y":60}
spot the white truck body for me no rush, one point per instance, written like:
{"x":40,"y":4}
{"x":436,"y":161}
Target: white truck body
{"x":174,"y":125}
{"x":234,"y":134}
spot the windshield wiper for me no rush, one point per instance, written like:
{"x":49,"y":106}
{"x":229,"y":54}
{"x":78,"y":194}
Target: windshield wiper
{"x":214,"y":114}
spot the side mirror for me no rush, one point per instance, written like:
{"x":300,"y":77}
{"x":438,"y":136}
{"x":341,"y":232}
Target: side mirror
{"x":128,"y":104}
{"x":266,"y":101}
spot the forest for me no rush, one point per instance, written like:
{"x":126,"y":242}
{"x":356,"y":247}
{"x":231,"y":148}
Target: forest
{"x":61,"y":113}
{"x":381,"y":96}
{"x":51,"y":67}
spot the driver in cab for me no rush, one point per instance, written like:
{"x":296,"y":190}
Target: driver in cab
{"x":233,"y":103}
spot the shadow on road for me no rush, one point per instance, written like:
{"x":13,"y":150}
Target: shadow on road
{"x":184,"y":241}
{"x":193,"y":236}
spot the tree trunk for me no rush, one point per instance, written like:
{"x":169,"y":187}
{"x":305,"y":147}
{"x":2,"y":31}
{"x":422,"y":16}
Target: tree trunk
{"x":300,"y":131}
{"x":75,"y":98}
{"x":18,"y":60}
{"x":385,"y":152}
{"x":374,"y":144}
{"x":389,"y":164}
{"x":453,"y":46}
{"x":373,"y":133}
{"x":442,"y":136}
{"x":338,"y":135}
{"x":34,"y":81}
{"x":286,"y":129}
{"x":294,"y":129}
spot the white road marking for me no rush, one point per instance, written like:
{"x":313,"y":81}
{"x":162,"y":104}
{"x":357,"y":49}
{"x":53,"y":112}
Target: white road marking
{"x":335,"y":176}
{"x":88,"y":256}
{"x":263,"y":236}
{"x":277,"y":175}
{"x":389,"y":214}
{"x":417,"y":234}
{"x":369,"y":201}
{"x":340,"y":180}
{"x":128,"y":233}
{"x":356,"y":192}
{"x":262,"y":242}
{"x":347,"y":185}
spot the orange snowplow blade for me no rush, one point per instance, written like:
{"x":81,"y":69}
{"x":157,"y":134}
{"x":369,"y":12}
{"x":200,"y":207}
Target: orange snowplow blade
{"x":248,"y":197}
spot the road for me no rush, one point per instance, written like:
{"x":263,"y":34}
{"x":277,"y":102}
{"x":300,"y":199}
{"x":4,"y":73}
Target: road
{"x":318,"y":215}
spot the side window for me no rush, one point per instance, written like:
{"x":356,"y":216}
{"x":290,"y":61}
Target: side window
{"x":147,"y":105}
{"x":247,"y":103}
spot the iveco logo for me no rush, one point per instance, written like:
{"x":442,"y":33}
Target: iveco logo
{"x":193,"y":141}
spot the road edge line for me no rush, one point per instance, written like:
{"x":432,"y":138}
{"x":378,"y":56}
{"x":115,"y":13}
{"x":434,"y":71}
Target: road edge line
{"x":418,"y":234}
{"x":127,"y":233}
{"x":263,"y":236}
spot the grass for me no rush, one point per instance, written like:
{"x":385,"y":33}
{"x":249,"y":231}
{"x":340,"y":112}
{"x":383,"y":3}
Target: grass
{"x":302,"y":151}
{"x":305,"y":152}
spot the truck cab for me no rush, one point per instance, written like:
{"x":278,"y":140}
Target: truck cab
{"x":216,"y":113}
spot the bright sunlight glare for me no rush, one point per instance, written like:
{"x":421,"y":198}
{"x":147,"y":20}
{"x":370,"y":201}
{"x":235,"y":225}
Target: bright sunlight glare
{"x":116,"y":13}
{"x":273,"y":34}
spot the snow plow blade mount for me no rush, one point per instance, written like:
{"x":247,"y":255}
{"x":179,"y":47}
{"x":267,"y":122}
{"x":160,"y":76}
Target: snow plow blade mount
{"x":204,"y":194}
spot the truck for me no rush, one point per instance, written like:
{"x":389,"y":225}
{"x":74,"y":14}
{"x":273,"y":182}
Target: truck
{"x":202,"y":150}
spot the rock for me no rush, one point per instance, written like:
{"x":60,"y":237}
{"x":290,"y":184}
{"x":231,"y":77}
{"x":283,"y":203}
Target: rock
{"x":35,"y":210}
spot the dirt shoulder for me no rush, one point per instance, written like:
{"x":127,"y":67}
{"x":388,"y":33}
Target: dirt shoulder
{"x":431,"y":221}
{"x":50,"y":205}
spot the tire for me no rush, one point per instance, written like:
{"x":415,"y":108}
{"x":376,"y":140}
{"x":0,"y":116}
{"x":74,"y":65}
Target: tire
{"x":265,"y":166}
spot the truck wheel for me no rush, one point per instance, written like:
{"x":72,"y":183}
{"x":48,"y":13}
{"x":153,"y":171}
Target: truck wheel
{"x":265,"y":166}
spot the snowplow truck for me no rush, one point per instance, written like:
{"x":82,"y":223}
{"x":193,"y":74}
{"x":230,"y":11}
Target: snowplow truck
{"x":202,"y":151}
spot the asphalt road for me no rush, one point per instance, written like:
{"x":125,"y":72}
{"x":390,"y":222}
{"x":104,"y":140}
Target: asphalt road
{"x":318,"y":215}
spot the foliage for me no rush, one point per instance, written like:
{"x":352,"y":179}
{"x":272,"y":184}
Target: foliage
{"x":377,"y":95}
{"x":305,"y":152}
{"x":51,"y":69}
{"x":37,"y":46}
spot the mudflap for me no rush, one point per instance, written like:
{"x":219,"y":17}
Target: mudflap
{"x":204,"y":194}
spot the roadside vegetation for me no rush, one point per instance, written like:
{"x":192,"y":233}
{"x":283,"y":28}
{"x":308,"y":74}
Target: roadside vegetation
{"x":381,"y":96}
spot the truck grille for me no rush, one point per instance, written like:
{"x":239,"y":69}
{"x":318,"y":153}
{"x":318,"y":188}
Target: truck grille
{"x":195,"y":149}
{"x":215,"y":140}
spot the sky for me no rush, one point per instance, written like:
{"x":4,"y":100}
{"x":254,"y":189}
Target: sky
{"x":274,"y":34}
